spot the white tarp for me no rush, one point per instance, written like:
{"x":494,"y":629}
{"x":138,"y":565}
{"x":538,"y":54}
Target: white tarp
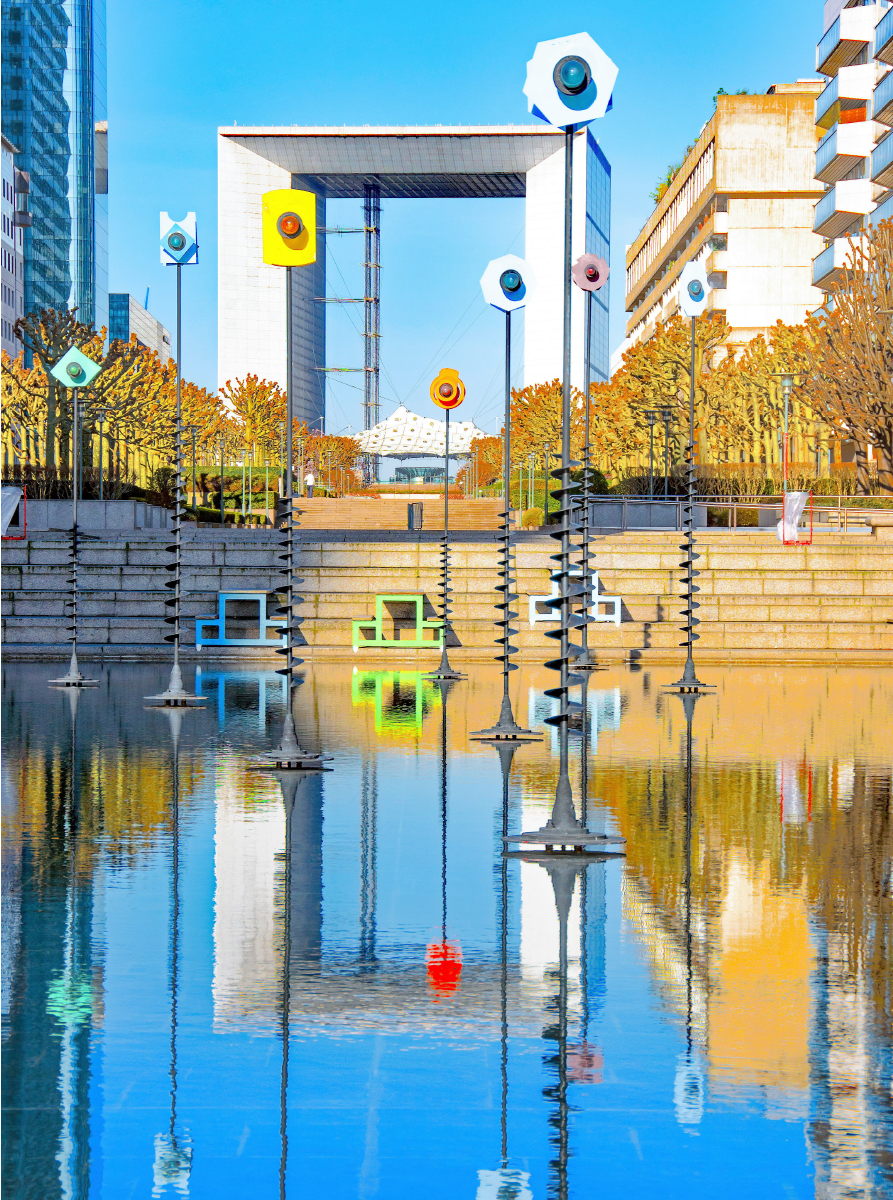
{"x":9,"y":502}
{"x":794,"y":504}
{"x":406,"y":435}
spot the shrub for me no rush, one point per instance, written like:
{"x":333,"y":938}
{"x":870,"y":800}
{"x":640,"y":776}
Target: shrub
{"x":532,"y":518}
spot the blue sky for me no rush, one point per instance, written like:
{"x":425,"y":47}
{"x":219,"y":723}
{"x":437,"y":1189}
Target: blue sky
{"x":177,"y":71}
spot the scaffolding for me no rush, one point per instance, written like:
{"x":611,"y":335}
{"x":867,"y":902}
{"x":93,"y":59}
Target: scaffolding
{"x":372,"y":315}
{"x":371,"y":228}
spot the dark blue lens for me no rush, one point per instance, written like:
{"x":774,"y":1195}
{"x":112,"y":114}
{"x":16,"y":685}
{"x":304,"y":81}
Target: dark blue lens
{"x":176,"y":241}
{"x":573,"y":75}
{"x":696,"y":289}
{"x":75,"y":370}
{"x":510,"y":281}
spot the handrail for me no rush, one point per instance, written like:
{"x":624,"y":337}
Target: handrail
{"x":844,"y":513}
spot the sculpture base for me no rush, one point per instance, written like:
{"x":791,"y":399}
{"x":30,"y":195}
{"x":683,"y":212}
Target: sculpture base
{"x":175,"y":700}
{"x":73,"y":681}
{"x":282,"y":761}
{"x":578,"y":839}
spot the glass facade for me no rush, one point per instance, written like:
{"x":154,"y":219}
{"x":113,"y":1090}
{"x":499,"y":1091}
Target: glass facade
{"x":119,"y":317}
{"x":54,"y":110}
{"x":598,"y":241}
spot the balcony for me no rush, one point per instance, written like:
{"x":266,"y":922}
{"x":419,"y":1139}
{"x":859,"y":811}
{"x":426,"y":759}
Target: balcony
{"x":846,"y":39}
{"x":884,"y":212}
{"x":843,"y":148}
{"x":844,"y":204}
{"x":851,"y":89}
{"x":830,"y":265}
{"x":883,"y":99}
{"x":882,"y":162}
{"x":883,"y":38}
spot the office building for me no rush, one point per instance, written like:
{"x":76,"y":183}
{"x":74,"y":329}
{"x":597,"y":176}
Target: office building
{"x":370,"y":164}
{"x":854,"y":117}
{"x":12,"y":230}
{"x":127,"y":316}
{"x":742,"y":202}
{"x":54,"y":112}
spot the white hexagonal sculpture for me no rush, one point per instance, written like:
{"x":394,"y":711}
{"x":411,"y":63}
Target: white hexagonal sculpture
{"x":507,"y":283}
{"x":570,"y":81}
{"x":693,"y":289}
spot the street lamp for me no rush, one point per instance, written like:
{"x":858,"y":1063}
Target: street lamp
{"x":74,"y":370}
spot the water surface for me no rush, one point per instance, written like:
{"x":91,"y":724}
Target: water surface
{"x":215,"y":985}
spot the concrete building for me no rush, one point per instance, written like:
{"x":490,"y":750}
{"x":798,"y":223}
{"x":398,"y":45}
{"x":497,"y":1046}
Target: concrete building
{"x":127,"y":316}
{"x":854,"y":118}
{"x":54,"y":111}
{"x":12,"y":231}
{"x":408,"y":163}
{"x":743,"y":203}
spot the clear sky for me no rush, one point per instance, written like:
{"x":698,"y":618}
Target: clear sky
{"x":177,"y":71}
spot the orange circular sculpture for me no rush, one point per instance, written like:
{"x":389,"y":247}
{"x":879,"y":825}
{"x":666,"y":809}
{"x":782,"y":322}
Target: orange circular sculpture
{"x":447,"y":390}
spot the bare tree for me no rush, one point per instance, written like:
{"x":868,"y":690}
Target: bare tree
{"x":851,"y":350}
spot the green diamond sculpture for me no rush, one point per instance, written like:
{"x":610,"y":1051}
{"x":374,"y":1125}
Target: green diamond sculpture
{"x":75,"y":370}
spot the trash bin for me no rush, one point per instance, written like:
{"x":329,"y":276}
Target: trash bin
{"x":414,"y":515}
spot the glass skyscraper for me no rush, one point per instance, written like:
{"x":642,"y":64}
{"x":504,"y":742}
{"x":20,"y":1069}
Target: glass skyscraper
{"x":54,"y":112}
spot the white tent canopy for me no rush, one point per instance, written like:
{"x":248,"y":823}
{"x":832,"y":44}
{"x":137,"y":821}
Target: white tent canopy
{"x":406,"y":435}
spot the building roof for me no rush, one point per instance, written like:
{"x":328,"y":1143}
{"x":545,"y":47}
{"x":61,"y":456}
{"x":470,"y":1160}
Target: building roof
{"x":406,"y":435}
{"x":406,"y":161}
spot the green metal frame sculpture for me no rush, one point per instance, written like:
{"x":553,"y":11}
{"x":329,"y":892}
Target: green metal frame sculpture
{"x":377,"y":641}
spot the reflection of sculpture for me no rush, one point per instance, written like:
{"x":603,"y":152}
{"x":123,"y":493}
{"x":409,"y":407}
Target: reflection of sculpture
{"x":443,"y":959}
{"x":402,"y":699}
{"x":688,"y":1092}
{"x":302,"y":912}
{"x":173,"y":1150}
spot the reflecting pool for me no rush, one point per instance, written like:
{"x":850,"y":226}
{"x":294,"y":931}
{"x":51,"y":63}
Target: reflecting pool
{"x":220,"y":982}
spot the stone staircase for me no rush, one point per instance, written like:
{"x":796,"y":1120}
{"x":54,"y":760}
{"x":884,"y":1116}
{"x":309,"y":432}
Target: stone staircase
{"x":761,"y":602}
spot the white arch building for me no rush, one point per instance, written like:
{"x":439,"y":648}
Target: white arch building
{"x":408,"y":162}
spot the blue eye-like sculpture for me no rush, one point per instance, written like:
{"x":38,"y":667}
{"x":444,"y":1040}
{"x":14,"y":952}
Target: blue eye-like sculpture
{"x":510,"y":281}
{"x":572,"y":75}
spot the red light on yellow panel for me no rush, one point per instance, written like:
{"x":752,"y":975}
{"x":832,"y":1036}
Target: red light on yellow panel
{"x":447,"y":390}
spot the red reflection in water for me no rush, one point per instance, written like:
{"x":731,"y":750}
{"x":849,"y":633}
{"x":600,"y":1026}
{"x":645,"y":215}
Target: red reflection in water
{"x":584,"y":1063}
{"x":443,"y":961}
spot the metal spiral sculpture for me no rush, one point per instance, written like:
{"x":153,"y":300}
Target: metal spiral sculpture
{"x":444,"y":670}
{"x":289,"y":754}
{"x":176,"y":567}
{"x":689,"y":680}
{"x":570,"y":594}
{"x":584,"y":662}
{"x":506,"y":728}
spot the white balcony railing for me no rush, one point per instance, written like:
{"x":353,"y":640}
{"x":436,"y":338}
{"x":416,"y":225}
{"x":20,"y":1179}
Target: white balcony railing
{"x":829,"y":266}
{"x":882,"y":109}
{"x":847,"y":37}
{"x":883,"y":212}
{"x":883,"y":38}
{"x":882,"y":162}
{"x":842,"y":205}
{"x":841,"y":149}
{"x":851,"y":88}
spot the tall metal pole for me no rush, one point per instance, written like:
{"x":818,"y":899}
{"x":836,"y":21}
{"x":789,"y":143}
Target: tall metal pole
{"x":289,"y":754}
{"x":193,"y":467}
{"x":666,"y":414}
{"x":176,"y":696}
{"x":651,"y":419}
{"x":221,"y":483}
{"x":101,"y":428}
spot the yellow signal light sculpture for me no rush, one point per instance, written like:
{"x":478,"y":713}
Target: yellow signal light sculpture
{"x":447,"y":390}
{"x":289,"y":227}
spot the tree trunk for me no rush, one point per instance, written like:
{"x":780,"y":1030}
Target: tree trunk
{"x":884,"y":456}
{"x":863,"y":479}
{"x":51,"y":424}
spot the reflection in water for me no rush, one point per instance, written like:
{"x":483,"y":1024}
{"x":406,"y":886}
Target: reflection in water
{"x":401,"y":699}
{"x":443,"y":959}
{"x":173,"y":1150}
{"x":169,"y":964}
